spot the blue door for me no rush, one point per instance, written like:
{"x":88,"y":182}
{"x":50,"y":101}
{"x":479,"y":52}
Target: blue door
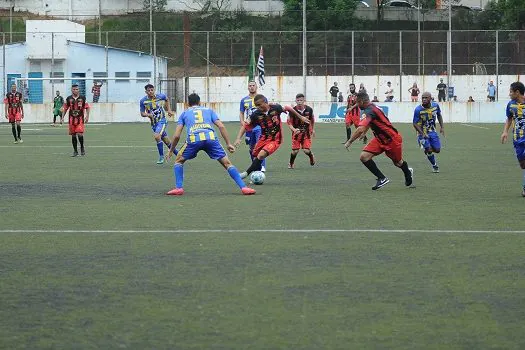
{"x":80,"y":82}
{"x":35,"y":88}
{"x":11,"y":80}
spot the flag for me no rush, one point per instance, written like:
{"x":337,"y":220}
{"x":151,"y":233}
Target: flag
{"x":260,"y":67}
{"x":251,"y":66}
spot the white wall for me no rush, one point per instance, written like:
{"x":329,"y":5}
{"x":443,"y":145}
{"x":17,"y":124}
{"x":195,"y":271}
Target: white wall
{"x":47,"y":39}
{"x":398,"y":112}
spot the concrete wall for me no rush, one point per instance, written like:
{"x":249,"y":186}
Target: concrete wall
{"x":398,"y":112}
{"x":47,"y":39}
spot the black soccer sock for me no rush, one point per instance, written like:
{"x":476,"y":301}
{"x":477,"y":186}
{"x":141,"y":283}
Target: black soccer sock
{"x":405,"y":169}
{"x":19,"y":130}
{"x":13,"y":130}
{"x":74,"y":141}
{"x":310,"y":155}
{"x":348,"y":133}
{"x":54,"y":119}
{"x":256,"y":165}
{"x":292,"y":158}
{"x":371,"y":165}
{"x":81,"y":140}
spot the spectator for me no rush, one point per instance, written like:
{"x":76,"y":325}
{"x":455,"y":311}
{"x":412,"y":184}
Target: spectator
{"x":491,"y":89}
{"x":362,"y":88}
{"x":414,"y":93}
{"x":455,"y":98}
{"x":334,"y":91}
{"x":340,"y":98}
{"x":470,"y":99}
{"x":375,"y":99}
{"x":95,"y":90}
{"x":442,"y":91}
{"x":389,"y":93}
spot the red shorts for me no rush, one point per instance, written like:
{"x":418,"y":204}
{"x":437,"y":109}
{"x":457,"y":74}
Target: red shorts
{"x":76,"y":129}
{"x":15,"y":117}
{"x":393,"y":150}
{"x":352,"y":118}
{"x":306,"y":143}
{"x":267,"y":145}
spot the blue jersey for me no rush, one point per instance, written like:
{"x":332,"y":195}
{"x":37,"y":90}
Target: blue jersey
{"x":247,"y":106}
{"x":199,"y":123}
{"x":515,"y":111}
{"x":155,"y":106}
{"x":426,"y":117}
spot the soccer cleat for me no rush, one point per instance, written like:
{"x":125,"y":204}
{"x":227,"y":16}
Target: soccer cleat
{"x":161,"y":160}
{"x":410,"y":180}
{"x":20,"y":141}
{"x":291,"y":166}
{"x":244,"y":175}
{"x":75,"y":154}
{"x":175,"y":192}
{"x":312,"y":161}
{"x":263,"y":169}
{"x":16,"y":141}
{"x":82,"y":152}
{"x":247,"y":191}
{"x":435,"y":169}
{"x":380,"y":183}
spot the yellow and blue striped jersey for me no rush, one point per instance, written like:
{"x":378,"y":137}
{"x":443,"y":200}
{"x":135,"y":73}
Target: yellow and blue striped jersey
{"x":154,"y":106}
{"x":247,"y":106}
{"x":199,"y":123}
{"x":426,"y":117}
{"x":515,"y":111}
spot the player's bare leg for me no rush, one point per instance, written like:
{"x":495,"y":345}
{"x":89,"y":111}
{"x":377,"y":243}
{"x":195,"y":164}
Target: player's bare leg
{"x":293,"y":155}
{"x":366,"y":159}
{"x":234,"y":174}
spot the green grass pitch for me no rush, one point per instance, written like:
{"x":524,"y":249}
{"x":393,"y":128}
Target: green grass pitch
{"x":315,"y":260}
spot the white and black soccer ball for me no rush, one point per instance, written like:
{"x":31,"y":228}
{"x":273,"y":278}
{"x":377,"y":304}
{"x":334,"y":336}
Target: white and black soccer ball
{"x":257,"y":177}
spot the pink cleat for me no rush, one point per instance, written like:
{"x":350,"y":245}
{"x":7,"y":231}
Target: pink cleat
{"x":247,"y":191}
{"x":175,"y":192}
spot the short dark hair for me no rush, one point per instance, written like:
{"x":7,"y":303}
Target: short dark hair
{"x":299,"y":95}
{"x":252,"y":81}
{"x":351,"y":84}
{"x":363,"y":96}
{"x":518,"y":86}
{"x":74,"y":85}
{"x":194,"y":99}
{"x":388,"y":82}
{"x":259,"y":97}
{"x":149,"y":86}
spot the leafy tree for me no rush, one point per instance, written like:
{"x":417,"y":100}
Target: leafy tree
{"x":320,"y":14}
{"x":157,"y":5}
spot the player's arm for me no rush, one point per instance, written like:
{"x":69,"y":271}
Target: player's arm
{"x":22,"y":107}
{"x":168,"y":108}
{"x":175,"y":140}
{"x":289,"y":122}
{"x":508,"y":124}
{"x":65,"y":108}
{"x":5,"y":107}
{"x":440,"y":121}
{"x":241,"y":132}
{"x":241,"y":112}
{"x":416,"y":122}
{"x":360,"y":131}
{"x":87,"y":108}
{"x":290,"y":109}
{"x":144,"y":113}
{"x":312,"y":123}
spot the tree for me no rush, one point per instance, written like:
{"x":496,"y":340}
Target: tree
{"x":503,"y":14}
{"x":321,"y":14}
{"x":157,"y":5}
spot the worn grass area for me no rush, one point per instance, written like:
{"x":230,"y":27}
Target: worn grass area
{"x":299,"y":289}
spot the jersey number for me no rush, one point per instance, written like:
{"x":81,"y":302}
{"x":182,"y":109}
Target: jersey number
{"x":198,"y":116}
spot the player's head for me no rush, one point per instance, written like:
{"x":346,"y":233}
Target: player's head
{"x":388,"y":83}
{"x":150,"y":90}
{"x":252,"y":87}
{"x":441,"y":80}
{"x":516,"y":89}
{"x":362,"y":99}
{"x":414,"y":85}
{"x":426,"y":98}
{"x":75,"y":90}
{"x":194,"y":100}
{"x":335,"y":83}
{"x":58,"y":93}
{"x":261,"y":103}
{"x":13,"y":87}
{"x":351,"y":87}
{"x":299,"y":99}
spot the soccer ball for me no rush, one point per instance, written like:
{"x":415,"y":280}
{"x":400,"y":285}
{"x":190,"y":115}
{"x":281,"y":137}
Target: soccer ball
{"x":257,"y":177}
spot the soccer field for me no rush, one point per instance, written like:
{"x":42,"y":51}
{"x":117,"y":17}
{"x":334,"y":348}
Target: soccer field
{"x":94,"y":255}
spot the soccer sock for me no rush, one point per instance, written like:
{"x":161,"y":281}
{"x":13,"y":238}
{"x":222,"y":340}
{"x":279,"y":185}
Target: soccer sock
{"x":160,"y":147}
{"x":74,"y":141}
{"x":251,"y":155}
{"x":405,"y":169}
{"x":311,"y":156}
{"x":348,"y":133}
{"x":263,"y":163}
{"x":371,"y":165}
{"x":19,"y":130}
{"x":431,"y":158}
{"x":54,"y":119}
{"x":292,"y":158}
{"x":234,"y":174}
{"x":178,"y":172}
{"x":81,"y":140}
{"x":13,"y":130}
{"x":256,"y":165}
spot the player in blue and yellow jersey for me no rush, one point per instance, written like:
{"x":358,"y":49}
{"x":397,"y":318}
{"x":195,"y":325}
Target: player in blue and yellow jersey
{"x":201,"y":136}
{"x":516,"y":116}
{"x":246,"y":108}
{"x":424,"y":122}
{"x":155,"y":106}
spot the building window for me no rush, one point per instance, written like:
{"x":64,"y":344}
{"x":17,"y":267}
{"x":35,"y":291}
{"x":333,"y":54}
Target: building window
{"x":122,"y":75}
{"x":99,"y":75}
{"x":143,"y":77}
{"x":56,"y":75}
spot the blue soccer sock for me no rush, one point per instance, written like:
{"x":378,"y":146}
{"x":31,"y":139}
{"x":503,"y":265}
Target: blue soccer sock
{"x":263,"y":164}
{"x":160,"y":147}
{"x":432,"y":159}
{"x":234,"y":174}
{"x":178,"y":172}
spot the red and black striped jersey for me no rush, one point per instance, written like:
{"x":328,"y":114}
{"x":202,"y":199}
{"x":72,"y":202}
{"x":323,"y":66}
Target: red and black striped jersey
{"x":350,"y":101}
{"x":270,"y":123}
{"x":374,"y":117}
{"x":14,"y":102}
{"x":76,"y":106}
{"x":306,"y":129}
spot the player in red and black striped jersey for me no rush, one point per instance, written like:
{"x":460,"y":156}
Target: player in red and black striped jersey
{"x":302,"y":133}
{"x":14,"y":112}
{"x":78,"y":109}
{"x":352,"y":115}
{"x":386,"y":139}
{"x":268,"y":117}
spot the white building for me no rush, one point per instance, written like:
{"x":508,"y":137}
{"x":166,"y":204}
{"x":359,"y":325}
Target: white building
{"x":58,"y":49}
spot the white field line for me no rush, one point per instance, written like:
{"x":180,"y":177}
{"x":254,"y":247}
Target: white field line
{"x":475,"y":126}
{"x":62,"y":146}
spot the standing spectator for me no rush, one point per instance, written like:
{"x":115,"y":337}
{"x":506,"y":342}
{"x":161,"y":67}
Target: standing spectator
{"x":375,"y":99}
{"x":95,"y":90}
{"x":389,"y":93}
{"x":58,"y":103}
{"x":470,"y":99}
{"x":491,"y":89}
{"x":442,"y":91}
{"x":414,"y":93}
{"x":334,"y":91}
{"x":362,"y":88}
{"x":340,"y":98}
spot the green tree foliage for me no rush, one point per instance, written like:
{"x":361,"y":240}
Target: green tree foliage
{"x":503,"y":14}
{"x":321,"y":14}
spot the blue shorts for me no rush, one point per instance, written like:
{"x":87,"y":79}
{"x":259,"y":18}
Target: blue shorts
{"x":212,"y":147}
{"x":253,"y":136}
{"x":519,"y":148}
{"x":431,"y":141}
{"x":160,"y":128}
